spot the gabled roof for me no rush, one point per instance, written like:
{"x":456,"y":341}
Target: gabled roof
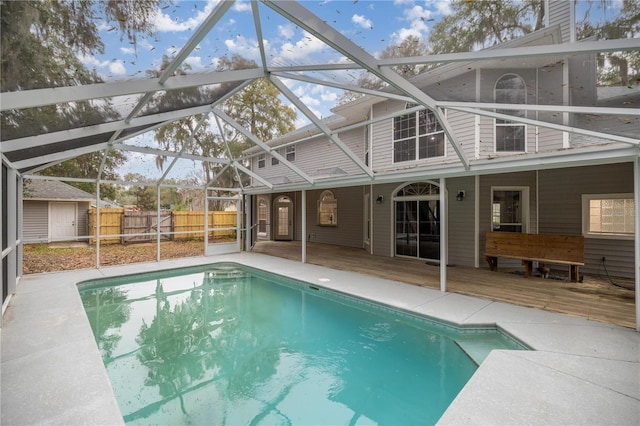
{"x":38,"y":189}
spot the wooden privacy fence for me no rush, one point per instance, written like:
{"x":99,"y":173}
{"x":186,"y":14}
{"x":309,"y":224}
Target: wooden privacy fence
{"x":121,"y":226}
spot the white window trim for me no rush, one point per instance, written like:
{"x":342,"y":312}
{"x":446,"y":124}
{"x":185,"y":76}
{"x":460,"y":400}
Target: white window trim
{"x":263,"y":158}
{"x":585,"y":216}
{"x":525,"y":205}
{"x":495,"y":124}
{"x":416,"y":160}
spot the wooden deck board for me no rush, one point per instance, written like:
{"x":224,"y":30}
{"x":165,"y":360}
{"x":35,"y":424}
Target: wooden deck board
{"x":594,"y":299}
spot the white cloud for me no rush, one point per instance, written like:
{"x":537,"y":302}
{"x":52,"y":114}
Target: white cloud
{"x":302,"y":50}
{"x":329,"y":96}
{"x":417,"y":16}
{"x":92,"y":61}
{"x":164,"y":22}
{"x":241,"y":6}
{"x":286,"y":31}
{"x":128,"y":50}
{"x":117,"y":68}
{"x":362,"y":21}
{"x":443,"y":7}
{"x":247,"y":48}
{"x":195,"y":62}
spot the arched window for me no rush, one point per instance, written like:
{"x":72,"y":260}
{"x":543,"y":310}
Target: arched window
{"x":327,"y":209}
{"x":510,"y":136}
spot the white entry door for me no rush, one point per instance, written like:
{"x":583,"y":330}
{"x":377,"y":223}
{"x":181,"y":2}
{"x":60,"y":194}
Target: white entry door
{"x":62,"y":221}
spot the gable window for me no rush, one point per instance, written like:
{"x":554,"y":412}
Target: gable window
{"x":608,"y":215}
{"x":327,"y":209}
{"x":510,"y":136}
{"x":290,"y":153}
{"x":509,"y":209}
{"x":262,"y":158}
{"x":417,"y":135}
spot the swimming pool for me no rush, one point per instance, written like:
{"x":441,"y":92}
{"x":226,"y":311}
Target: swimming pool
{"x":228,"y":344}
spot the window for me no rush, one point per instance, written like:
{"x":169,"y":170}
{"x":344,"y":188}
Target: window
{"x":510,"y":136}
{"x":608,"y":215}
{"x":509,"y":209}
{"x":417,"y":135}
{"x":274,"y":161}
{"x":262,"y":160}
{"x":262,"y":217}
{"x":327,"y":209}
{"x":290,"y":153}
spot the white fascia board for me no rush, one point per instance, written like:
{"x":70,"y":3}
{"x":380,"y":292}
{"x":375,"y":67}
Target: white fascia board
{"x":548,"y":108}
{"x":302,"y":17}
{"x":319,"y":124}
{"x":555,"y":160}
{"x":520,"y":52}
{"x":233,"y":123}
{"x":41,"y":97}
{"x":545,"y":124}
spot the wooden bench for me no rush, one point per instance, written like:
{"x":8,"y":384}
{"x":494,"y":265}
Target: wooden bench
{"x":542,"y":248}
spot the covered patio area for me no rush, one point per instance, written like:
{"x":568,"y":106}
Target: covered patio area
{"x":595,"y":298}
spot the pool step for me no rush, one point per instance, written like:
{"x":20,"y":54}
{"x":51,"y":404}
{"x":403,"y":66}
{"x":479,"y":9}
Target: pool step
{"x":478,"y":347}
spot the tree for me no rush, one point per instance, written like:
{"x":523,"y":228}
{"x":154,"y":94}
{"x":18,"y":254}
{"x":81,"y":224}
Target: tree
{"x":616,"y":68}
{"x":410,"y":46}
{"x":256,"y":107}
{"x":479,"y":24}
{"x":87,"y":166}
{"x":40,"y":42}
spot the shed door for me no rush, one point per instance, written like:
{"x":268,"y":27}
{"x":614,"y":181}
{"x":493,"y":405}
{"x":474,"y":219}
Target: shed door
{"x":62,"y":221}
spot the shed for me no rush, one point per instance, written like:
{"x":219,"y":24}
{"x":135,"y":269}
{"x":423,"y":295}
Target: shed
{"x":55,"y":211}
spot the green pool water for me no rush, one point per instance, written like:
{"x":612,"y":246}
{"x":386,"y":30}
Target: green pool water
{"x":227,"y":344}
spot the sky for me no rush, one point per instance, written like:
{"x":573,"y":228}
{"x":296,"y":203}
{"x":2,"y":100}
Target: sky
{"x":373,"y":25}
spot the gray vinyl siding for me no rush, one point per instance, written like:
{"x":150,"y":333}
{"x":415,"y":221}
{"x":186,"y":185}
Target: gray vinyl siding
{"x":382,"y":216}
{"x":463,"y":126}
{"x":382,"y":135}
{"x":348,"y":231}
{"x":559,"y":14}
{"x":560,"y":209}
{"x":522,"y":179}
{"x":81,"y":220}
{"x":461,"y":224}
{"x":312,"y":157}
{"x":35,"y":221}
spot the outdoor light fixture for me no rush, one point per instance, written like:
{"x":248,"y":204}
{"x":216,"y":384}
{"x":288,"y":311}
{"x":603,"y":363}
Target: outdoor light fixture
{"x":460,"y":195}
{"x":380,"y":199}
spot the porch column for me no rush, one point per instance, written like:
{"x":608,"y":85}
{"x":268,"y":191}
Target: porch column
{"x":248,"y":215}
{"x":158,"y":223}
{"x":636,"y":196}
{"x":443,"y":235}
{"x":304,"y":226}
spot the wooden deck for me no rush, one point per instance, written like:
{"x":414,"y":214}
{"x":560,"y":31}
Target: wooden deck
{"x":595,"y":298}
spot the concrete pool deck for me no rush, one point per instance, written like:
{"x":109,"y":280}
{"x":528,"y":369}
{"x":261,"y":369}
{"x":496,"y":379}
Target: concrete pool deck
{"x":581,"y":371}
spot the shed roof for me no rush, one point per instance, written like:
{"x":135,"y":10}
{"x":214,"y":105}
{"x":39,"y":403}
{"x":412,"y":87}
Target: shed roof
{"x":38,"y":189}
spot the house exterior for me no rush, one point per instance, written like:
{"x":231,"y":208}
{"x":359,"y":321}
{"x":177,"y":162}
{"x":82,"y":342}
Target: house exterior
{"x":529,"y":174}
{"x":55,"y":211}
